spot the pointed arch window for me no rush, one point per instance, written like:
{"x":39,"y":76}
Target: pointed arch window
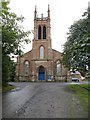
{"x":39,"y":32}
{"x":44,"y":32}
{"x":26,"y":68}
{"x":41,"y":52}
{"x":58,"y":68}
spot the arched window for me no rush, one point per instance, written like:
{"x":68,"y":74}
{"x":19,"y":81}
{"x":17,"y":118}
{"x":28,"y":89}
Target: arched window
{"x":41,"y":52}
{"x":39,"y":32}
{"x":58,"y":68}
{"x":44,"y":32}
{"x":26,"y":68}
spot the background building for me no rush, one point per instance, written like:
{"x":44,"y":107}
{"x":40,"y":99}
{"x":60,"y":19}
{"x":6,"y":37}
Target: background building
{"x":42,"y":62}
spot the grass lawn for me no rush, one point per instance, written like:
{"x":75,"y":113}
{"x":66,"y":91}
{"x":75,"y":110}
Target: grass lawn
{"x":81,"y":93}
{"x":7,"y":88}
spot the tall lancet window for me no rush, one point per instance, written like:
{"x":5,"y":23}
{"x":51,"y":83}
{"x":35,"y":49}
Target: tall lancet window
{"x":58,"y":68}
{"x":41,"y":52}
{"x":39,"y":32}
{"x":44,"y":32}
{"x":26,"y":67}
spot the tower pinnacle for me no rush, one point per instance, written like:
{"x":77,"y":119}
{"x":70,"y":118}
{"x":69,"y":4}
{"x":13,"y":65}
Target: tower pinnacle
{"x":35,"y":13}
{"x":48,"y":11}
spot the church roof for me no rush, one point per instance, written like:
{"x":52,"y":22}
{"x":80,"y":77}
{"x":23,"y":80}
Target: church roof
{"x":56,"y":51}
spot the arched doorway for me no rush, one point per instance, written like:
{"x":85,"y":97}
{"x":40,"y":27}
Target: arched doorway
{"x":41,"y":73}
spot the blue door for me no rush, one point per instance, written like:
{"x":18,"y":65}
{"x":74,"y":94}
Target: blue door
{"x":41,"y":73}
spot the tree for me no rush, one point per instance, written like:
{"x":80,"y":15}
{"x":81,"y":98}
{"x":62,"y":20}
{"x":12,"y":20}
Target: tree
{"x":76,"y":53}
{"x":12,"y":37}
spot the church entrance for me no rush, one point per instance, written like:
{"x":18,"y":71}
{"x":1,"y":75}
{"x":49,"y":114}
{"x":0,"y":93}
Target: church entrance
{"x":41,"y":73}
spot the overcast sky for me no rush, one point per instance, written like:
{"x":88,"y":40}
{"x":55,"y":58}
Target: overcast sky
{"x":63,"y":14}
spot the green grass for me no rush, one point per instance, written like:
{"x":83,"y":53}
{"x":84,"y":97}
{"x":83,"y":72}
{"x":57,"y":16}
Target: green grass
{"x":7,"y":88}
{"x":81,"y":93}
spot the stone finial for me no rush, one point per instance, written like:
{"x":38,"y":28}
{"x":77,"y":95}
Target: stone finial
{"x":48,"y":7}
{"x":35,"y":8}
{"x":35,"y":13}
{"x":48,"y":11}
{"x":42,"y":15}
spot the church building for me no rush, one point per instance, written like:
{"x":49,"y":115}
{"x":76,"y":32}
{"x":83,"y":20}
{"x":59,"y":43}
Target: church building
{"x":42,"y":63}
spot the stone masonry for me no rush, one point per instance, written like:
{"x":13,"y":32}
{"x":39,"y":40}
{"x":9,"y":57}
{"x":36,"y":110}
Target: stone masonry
{"x":42,"y":63}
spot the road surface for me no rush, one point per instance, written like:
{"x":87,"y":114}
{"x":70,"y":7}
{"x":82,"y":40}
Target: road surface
{"x":41,"y":100}
{"x":0,"y":102}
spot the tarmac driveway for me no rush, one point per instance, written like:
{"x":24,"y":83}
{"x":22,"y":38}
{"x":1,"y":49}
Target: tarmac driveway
{"x":42,"y":100}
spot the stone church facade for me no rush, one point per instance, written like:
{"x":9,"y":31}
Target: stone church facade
{"x":42,"y":63}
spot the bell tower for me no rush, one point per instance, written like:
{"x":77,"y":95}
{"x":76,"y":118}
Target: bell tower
{"x":42,"y":26}
{"x":42,"y":35}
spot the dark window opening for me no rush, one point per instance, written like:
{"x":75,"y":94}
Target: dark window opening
{"x":44,"y":32}
{"x":39,"y":32}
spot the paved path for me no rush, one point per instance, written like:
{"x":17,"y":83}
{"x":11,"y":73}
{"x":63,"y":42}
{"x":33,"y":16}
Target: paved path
{"x":42,"y":100}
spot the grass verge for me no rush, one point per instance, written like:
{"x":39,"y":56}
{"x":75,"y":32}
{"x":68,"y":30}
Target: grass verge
{"x":7,"y":88}
{"x":82,"y":93}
